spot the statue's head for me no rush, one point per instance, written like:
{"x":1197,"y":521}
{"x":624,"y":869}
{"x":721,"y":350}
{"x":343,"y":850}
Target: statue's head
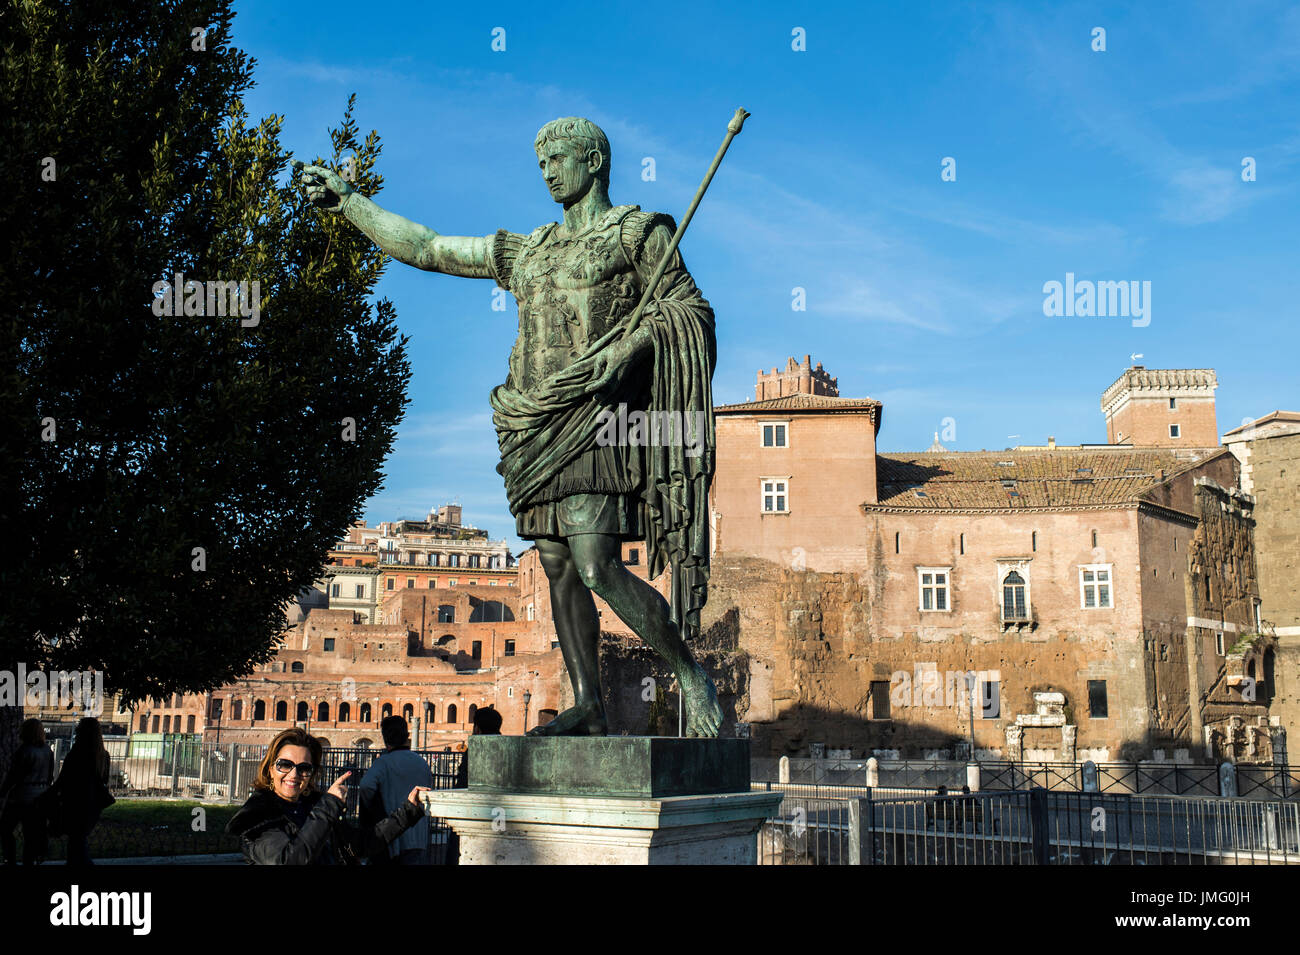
{"x":573,"y":153}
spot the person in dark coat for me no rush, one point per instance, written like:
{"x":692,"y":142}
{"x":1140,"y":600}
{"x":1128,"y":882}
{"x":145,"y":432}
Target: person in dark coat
{"x":29,"y":776}
{"x":82,"y":788}
{"x":288,"y":821}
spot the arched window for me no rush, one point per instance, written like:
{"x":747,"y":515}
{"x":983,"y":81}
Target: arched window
{"x":386,"y":712}
{"x":473,"y":711}
{"x":430,"y":712}
{"x":345,"y":713}
{"x":324,"y":743}
{"x":451,"y":713}
{"x":281,"y":711}
{"x":408,"y":712}
{"x":259,"y":710}
{"x":365,"y":713}
{"x":364,"y":743}
{"x":446,"y":613}
{"x":447,"y":642}
{"x":323,"y":712}
{"x":295,"y":667}
{"x":1013,"y":597}
{"x":303,"y":711}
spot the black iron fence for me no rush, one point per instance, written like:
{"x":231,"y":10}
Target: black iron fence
{"x":1249,"y":780}
{"x":819,"y":826}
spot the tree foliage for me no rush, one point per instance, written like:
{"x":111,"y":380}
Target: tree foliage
{"x":171,"y":433}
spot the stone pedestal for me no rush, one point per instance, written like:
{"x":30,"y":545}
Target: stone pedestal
{"x":616,"y":800}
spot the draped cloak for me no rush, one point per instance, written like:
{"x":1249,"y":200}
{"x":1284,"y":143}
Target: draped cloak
{"x":546,"y":424}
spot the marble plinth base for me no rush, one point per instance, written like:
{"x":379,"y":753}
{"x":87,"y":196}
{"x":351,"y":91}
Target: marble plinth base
{"x":539,"y":829}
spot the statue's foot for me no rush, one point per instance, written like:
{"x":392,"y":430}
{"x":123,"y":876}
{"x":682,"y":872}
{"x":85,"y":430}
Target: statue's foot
{"x":703,"y":713}
{"x":582,"y":720}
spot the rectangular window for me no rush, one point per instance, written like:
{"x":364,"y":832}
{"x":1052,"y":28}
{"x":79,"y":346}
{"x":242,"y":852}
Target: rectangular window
{"x":167,"y":724}
{"x":452,"y":582}
{"x":530,"y":612}
{"x":1097,"y":699}
{"x":327,"y":644}
{"x":633,"y":555}
{"x":934,"y":583}
{"x":774,"y":436}
{"x":1173,"y":404}
{"x":156,"y":720}
{"x":335,"y":590}
{"x":189,"y":724}
{"x":361,"y":590}
{"x":476,"y":650}
{"x":775,"y":499}
{"x":1173,"y":431}
{"x":433,"y":582}
{"x":391,"y":582}
{"x":880,"y":699}
{"x":510,"y":649}
{"x":1218,"y":642}
{"x":410,"y":582}
{"x":1094,"y":587}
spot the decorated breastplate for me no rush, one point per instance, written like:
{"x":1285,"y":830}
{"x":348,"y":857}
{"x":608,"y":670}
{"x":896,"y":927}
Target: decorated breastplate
{"x":571,"y":290}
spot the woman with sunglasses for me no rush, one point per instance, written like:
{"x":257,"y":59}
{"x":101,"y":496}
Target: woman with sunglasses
{"x":288,"y":821}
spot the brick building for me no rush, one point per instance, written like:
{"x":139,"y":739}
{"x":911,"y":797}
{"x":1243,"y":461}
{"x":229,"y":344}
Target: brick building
{"x":415,"y":618}
{"x":1106,"y":595}
{"x":1162,"y":408}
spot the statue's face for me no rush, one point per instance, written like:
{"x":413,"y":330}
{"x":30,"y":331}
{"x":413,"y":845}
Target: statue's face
{"x":567,"y":171}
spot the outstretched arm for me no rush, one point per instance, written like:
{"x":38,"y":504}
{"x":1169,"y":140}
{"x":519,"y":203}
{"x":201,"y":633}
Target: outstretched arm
{"x":401,"y":238}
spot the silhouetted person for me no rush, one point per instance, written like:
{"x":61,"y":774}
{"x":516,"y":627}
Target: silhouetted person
{"x":385,"y":786}
{"x":82,"y":788}
{"x":29,"y":776}
{"x":487,"y":722}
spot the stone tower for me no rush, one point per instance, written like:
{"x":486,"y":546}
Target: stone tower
{"x":798,"y":378}
{"x":1162,"y":408}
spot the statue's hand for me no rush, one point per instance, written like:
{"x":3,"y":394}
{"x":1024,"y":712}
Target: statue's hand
{"x":608,"y":363}
{"x":324,"y":187}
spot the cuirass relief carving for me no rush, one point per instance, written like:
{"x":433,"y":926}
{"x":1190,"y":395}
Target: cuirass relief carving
{"x":570,"y":290}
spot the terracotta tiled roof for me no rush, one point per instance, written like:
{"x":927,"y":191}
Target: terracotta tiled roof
{"x":801,"y":402}
{"x":1025,"y":479}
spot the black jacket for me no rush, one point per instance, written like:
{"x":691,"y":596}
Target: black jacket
{"x":270,"y":837}
{"x":30,"y":774}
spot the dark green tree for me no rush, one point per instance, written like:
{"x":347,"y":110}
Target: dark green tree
{"x":132,"y":439}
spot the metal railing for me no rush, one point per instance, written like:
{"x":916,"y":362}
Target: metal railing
{"x":1024,"y":827}
{"x":1251,"y":780}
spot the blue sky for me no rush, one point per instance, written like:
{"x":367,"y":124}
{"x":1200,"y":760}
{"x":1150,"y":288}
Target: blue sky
{"x":925,"y":294}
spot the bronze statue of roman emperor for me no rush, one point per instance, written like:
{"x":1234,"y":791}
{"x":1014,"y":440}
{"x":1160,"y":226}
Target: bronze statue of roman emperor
{"x":576,"y":360}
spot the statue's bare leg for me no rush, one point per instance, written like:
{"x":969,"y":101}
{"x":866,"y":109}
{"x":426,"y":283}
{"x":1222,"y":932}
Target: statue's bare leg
{"x":578,"y":629}
{"x":598,"y":558}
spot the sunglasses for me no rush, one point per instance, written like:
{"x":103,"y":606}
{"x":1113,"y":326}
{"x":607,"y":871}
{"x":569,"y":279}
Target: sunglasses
{"x":287,"y":766}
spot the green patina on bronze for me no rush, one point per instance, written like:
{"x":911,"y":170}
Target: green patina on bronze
{"x":627,"y":766}
{"x":610,"y":321}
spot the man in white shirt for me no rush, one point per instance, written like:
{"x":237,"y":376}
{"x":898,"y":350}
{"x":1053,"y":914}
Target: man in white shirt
{"x":388,"y":783}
